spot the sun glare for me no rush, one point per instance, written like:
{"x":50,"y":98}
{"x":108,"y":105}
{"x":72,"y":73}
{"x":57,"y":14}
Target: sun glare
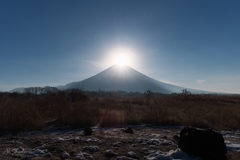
{"x":122,"y":56}
{"x":121,"y":60}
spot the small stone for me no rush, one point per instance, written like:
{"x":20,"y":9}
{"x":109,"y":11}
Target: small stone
{"x":149,"y":152}
{"x":117,"y":144}
{"x":130,"y":141}
{"x":134,"y":145}
{"x":128,"y":130}
{"x":87,"y":131}
{"x":85,"y":154}
{"x":110,"y":153}
{"x":152,"y":146}
{"x":124,"y":158}
{"x":19,"y":143}
{"x":48,"y":154}
{"x":132,"y":154}
{"x":91,"y":148}
{"x":65,"y":155}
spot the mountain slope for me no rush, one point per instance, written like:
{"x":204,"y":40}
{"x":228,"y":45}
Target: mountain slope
{"x":124,"y":78}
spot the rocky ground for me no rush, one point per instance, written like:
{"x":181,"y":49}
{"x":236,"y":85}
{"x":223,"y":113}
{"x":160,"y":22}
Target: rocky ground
{"x":147,"y":142}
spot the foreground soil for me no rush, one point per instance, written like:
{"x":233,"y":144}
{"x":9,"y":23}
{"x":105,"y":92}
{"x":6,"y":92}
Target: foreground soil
{"x":65,"y":143}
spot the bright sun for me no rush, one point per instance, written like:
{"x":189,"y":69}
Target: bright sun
{"x":121,"y":60}
{"x":122,"y":57}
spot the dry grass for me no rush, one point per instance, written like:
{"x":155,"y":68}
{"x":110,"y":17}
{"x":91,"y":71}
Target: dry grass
{"x":29,"y":113}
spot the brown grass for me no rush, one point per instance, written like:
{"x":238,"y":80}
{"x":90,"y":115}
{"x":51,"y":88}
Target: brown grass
{"x":32,"y":113}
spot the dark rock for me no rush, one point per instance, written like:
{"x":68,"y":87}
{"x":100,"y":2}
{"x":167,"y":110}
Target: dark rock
{"x":128,"y":130}
{"x":110,"y":153}
{"x":176,"y":137}
{"x":87,"y":131}
{"x":65,"y":155}
{"x":206,"y":144}
{"x":132,"y":154}
{"x":165,"y":137}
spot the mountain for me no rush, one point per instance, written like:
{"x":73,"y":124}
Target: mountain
{"x":20,"y":90}
{"x":124,"y":78}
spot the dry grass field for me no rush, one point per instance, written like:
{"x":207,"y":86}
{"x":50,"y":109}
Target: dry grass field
{"x":25,"y":113}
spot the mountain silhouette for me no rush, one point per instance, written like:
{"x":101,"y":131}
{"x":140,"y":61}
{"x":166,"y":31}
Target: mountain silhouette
{"x":124,"y":78}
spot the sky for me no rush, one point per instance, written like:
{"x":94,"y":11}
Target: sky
{"x":191,"y":43}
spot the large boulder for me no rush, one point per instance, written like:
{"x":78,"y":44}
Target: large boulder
{"x":206,"y":144}
{"x":87,"y":131}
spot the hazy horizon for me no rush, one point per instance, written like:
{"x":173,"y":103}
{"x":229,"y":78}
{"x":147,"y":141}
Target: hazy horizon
{"x":192,"y":44}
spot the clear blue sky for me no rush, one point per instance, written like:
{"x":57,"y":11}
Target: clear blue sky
{"x":190,"y":43}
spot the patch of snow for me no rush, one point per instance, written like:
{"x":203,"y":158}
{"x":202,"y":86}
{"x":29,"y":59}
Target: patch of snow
{"x":142,"y":140}
{"x":232,"y":146}
{"x":124,"y":158}
{"x":92,"y":140}
{"x":66,"y":138}
{"x":171,"y":155}
{"x":226,"y":132}
{"x":37,"y":152}
{"x":80,"y":156}
{"x":86,"y":154}
{"x":19,"y":150}
{"x":154,"y":135}
{"x":147,"y":152}
{"x":230,"y":134}
{"x":59,"y":139}
{"x":155,"y":141}
{"x":14,"y":142}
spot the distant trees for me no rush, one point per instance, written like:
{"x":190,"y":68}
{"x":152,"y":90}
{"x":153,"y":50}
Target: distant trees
{"x":148,"y":94}
{"x":185,"y":92}
{"x":101,"y":93}
{"x":41,"y":90}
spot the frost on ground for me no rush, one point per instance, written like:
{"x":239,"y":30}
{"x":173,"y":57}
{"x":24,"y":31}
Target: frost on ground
{"x":147,"y":142}
{"x":155,"y":141}
{"x":232,"y":146}
{"x":171,"y":155}
{"x":125,"y":158}
{"x":232,"y":140}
